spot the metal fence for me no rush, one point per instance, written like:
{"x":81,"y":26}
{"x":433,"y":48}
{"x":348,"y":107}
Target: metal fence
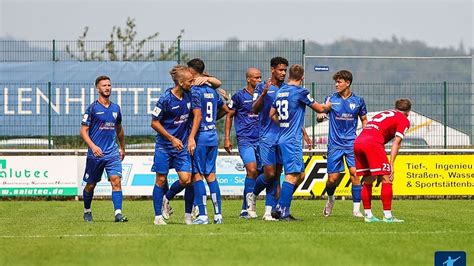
{"x":445,"y":109}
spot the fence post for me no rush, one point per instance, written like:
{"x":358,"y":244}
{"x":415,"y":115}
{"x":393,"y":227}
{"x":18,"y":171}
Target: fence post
{"x":50,"y":138}
{"x":54,"y":50}
{"x":445,"y":86}
{"x":179,"y":51}
{"x":303,"y":52}
{"x":313,"y":115}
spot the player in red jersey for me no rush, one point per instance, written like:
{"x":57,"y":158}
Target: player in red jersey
{"x":371,"y":159}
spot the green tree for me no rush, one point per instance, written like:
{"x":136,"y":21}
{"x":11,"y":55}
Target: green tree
{"x":123,"y":46}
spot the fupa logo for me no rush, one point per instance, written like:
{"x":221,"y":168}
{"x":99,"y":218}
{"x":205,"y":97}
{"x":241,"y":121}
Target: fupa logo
{"x":450,"y":258}
{"x":20,"y":173}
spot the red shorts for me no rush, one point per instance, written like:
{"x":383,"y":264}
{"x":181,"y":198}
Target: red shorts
{"x":370,"y":158}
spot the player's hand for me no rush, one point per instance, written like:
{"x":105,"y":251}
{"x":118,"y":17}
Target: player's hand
{"x":309,"y":142}
{"x":321,"y":116}
{"x":267,"y":86}
{"x":223,"y":93}
{"x":177,"y":144}
{"x":191,"y":146}
{"x":122,"y":154}
{"x":97,"y":151}
{"x":228,"y":146}
{"x":392,"y":175}
{"x":200,"y":80}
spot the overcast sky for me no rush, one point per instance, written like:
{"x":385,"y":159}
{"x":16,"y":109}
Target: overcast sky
{"x":437,"y":23}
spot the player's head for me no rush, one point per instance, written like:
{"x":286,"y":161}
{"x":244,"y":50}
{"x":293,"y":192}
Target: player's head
{"x":103,"y":85}
{"x":296,"y":73}
{"x":343,"y":80}
{"x":196,"y":66}
{"x":182,"y":77}
{"x":253,"y":76}
{"x":278,"y":66}
{"x":403,"y":105}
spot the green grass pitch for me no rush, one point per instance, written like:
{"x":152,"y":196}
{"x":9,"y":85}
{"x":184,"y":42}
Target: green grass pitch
{"x":53,"y":233}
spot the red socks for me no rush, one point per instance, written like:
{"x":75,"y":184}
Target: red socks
{"x":386,"y":196}
{"x":366,"y":196}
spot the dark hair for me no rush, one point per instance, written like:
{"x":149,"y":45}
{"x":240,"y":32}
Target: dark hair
{"x":278,"y":60}
{"x":343,"y":74}
{"x":296,"y":72}
{"x":100,"y":78}
{"x":197,"y":64}
{"x":403,"y":105}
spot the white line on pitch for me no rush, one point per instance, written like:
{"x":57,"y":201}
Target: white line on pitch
{"x":236,"y":233}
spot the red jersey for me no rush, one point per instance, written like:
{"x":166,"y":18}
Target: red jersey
{"x":385,"y":125}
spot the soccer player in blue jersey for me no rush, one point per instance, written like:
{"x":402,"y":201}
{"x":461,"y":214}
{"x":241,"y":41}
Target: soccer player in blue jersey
{"x":288,"y":111}
{"x":203,"y":143}
{"x":101,"y":127}
{"x":264,"y":96}
{"x":170,"y":119}
{"x":346,"y":109}
{"x":246,"y":131}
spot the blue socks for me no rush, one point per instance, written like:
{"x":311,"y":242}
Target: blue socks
{"x":174,"y":189}
{"x":87,"y":196}
{"x":248,"y":188}
{"x":200,"y":196}
{"x":285,"y":198}
{"x":260,"y":185}
{"x":356,"y":192}
{"x":188,"y":199}
{"x":157,"y":199}
{"x":117,"y":197}
{"x":215,"y":196}
{"x":270,"y":198}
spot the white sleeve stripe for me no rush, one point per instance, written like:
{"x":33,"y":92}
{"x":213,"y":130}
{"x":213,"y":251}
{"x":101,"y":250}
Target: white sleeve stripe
{"x":399,"y":134}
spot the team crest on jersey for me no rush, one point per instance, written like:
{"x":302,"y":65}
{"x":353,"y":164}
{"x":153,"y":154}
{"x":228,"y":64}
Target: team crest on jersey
{"x":188,"y":105}
{"x":352,"y":106}
{"x":114,"y":114}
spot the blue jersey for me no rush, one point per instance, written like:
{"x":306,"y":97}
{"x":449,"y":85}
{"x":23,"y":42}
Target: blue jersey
{"x":173,"y":114}
{"x":245,"y":121}
{"x":268,"y":130}
{"x":102,"y":122}
{"x":290,"y":102}
{"x":207,"y":99}
{"x":343,"y":119}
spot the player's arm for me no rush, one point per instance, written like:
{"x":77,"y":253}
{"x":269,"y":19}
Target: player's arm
{"x":214,"y":82}
{"x":121,"y":138}
{"x":258,"y":104}
{"x":96,"y":150}
{"x":363,"y":120}
{"x":321,"y":108}
{"x":228,"y":125}
{"x":158,"y":127}
{"x":197,"y":117}
{"x":222,"y":111}
{"x":397,"y":141}
{"x":274,"y":115}
{"x":306,"y":138}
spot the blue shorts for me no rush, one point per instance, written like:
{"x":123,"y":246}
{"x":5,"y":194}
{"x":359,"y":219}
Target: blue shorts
{"x":335,"y":159}
{"x":204,"y":160}
{"x":249,"y":154}
{"x":293,"y":159}
{"x":166,"y":159}
{"x":95,"y":168}
{"x":269,"y":154}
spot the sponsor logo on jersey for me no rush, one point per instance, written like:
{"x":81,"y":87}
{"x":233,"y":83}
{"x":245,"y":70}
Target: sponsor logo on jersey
{"x":99,"y":113}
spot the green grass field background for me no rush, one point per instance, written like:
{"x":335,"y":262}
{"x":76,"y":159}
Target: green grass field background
{"x":53,"y":233}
